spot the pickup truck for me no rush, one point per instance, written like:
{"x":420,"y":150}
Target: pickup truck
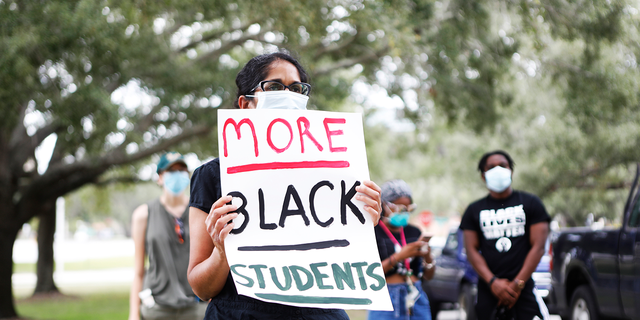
{"x":596,"y":273}
{"x":454,"y":285}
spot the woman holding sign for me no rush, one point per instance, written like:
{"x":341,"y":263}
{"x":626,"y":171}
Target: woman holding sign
{"x":267,"y":81}
{"x":405,"y":254}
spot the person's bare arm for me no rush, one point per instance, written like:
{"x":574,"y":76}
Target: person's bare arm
{"x":410,"y":250}
{"x":389,"y":263}
{"x":138,"y":231}
{"x":501,"y":288}
{"x":370,"y":195}
{"x":429,"y":260}
{"x":208,"y":266}
{"x":428,"y":273}
{"x":538,"y":234}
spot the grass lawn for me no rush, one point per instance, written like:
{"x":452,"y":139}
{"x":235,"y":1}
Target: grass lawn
{"x":94,"y":306}
{"x":89,"y":264}
{"x":97,"y":306}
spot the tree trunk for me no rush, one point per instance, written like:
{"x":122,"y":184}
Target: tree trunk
{"x":8,"y":234}
{"x":45,"y":265}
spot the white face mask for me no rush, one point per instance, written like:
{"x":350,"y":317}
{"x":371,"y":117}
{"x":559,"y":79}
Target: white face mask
{"x":498,"y":179}
{"x":281,"y":100}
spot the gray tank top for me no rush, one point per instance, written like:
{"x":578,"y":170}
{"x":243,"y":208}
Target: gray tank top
{"x":168,"y":258}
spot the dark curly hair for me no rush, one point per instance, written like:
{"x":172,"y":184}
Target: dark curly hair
{"x":483,"y":160}
{"x":257,"y":69}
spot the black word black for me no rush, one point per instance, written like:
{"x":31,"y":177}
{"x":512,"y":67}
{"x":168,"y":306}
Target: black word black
{"x":346,"y":197}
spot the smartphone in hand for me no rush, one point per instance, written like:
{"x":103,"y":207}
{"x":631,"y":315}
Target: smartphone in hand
{"x":425,"y":238}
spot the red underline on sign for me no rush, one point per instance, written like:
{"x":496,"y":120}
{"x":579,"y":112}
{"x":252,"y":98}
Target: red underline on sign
{"x":288,"y":165}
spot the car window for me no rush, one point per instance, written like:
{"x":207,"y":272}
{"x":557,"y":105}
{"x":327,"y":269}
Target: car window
{"x":634,"y":219}
{"x":634,"y":202}
{"x":452,"y":243}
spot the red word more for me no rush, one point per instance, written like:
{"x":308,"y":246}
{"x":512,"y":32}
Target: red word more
{"x":302,"y":123}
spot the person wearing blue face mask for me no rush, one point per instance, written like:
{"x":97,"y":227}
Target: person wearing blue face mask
{"x":405,"y":255}
{"x":160,"y":231}
{"x":504,"y":237}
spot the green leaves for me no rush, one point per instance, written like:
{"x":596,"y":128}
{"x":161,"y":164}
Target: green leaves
{"x":553,"y":81}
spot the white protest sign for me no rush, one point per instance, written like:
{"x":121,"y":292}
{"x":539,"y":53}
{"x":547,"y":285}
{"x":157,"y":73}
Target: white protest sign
{"x":301,"y":238}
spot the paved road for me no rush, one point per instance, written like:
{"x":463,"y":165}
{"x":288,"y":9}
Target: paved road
{"x":454,"y":315}
{"x":26,"y":251}
{"x":78,"y":282}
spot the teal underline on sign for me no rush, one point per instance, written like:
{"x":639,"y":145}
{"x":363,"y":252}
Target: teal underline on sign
{"x":315,"y":300}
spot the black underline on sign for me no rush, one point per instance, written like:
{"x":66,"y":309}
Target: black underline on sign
{"x":298,"y":247}
{"x":316,"y":300}
{"x":288,"y":165}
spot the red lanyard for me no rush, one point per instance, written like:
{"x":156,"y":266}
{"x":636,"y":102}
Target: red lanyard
{"x":395,"y":241}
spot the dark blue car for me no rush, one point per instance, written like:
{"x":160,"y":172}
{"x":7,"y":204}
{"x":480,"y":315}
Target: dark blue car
{"x":454,"y":285}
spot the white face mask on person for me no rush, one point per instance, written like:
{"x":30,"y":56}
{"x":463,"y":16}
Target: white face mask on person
{"x":498,"y":179}
{"x":281,"y":99}
{"x":176,"y":182}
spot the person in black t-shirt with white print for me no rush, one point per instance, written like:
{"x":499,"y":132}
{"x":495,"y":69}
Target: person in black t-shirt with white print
{"x":504,"y":236}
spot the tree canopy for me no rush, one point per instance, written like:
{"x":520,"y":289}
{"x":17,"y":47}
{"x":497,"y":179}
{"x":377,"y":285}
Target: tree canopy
{"x":556,"y":87}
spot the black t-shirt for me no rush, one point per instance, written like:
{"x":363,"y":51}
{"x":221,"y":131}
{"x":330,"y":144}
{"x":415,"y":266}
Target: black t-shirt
{"x":205,"y":190}
{"x":386,"y":248}
{"x":205,"y":186}
{"x":503,"y":227}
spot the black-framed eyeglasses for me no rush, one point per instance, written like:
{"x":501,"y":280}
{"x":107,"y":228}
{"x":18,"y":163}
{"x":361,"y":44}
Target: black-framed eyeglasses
{"x":272,"y":85}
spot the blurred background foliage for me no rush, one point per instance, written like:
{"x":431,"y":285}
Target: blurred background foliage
{"x":555,"y":83}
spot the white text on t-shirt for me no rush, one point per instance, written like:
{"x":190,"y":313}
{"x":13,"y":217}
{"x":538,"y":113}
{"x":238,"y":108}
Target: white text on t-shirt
{"x":508,"y":222}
